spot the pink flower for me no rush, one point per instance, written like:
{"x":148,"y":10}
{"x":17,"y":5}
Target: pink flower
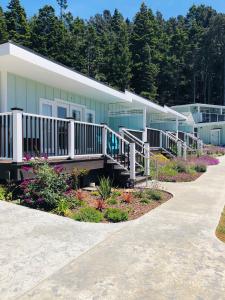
{"x":27,"y":157}
{"x":58,"y":169}
{"x":26,"y":168}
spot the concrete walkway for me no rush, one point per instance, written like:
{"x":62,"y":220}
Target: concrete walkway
{"x":170,"y":253}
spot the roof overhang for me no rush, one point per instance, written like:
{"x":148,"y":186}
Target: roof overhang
{"x":175,"y":114}
{"x":23,"y":62}
{"x":144,"y":103}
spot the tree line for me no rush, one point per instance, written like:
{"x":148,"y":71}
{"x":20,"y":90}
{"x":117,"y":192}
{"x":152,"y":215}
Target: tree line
{"x":176,"y":61}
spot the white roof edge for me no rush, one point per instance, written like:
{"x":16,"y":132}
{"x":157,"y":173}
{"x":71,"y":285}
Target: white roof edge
{"x":177,"y":114}
{"x":199,"y":104}
{"x":145,"y":102}
{"x":49,"y":65}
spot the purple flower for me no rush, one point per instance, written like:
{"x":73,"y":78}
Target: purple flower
{"x":40,"y":200}
{"x":58,"y":168}
{"x":45,"y":156}
{"x":27,"y":157}
{"x":26,"y":168}
{"x":28,"y":201}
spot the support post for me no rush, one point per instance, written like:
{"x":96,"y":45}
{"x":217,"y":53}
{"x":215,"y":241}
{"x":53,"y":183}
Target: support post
{"x":147,"y":159}
{"x":185,"y":151}
{"x":200,"y":146}
{"x":179,"y":149}
{"x":177,"y":128}
{"x":121,"y":132}
{"x":104,"y":140}
{"x":17,"y":114}
{"x":71,"y":140}
{"x":145,"y":135}
{"x":132,"y":162}
{"x":160,"y":140}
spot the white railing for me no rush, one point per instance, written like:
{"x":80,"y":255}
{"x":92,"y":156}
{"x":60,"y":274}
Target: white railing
{"x":38,"y":135}
{"x":159,"y":139}
{"x":193,"y":143}
{"x":6,"y":136}
{"x":55,"y":137}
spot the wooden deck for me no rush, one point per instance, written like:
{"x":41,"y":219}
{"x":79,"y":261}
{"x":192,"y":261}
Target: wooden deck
{"x":94,"y":164}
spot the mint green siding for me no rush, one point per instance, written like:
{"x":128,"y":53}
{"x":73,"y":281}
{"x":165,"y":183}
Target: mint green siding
{"x":205,"y":133}
{"x":25,"y":93}
{"x":130,"y":122}
{"x":165,"y":126}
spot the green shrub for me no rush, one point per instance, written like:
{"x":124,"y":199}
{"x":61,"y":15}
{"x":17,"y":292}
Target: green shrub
{"x":88,"y":214}
{"x":47,"y":188}
{"x":95,"y":193}
{"x":180,"y":167}
{"x":200,"y":168}
{"x":105,"y":188}
{"x":116,"y":193}
{"x":62,"y":207}
{"x":145,"y":201}
{"x":139,"y":193}
{"x":3,"y":192}
{"x":154,"y":195}
{"x":112,"y":201}
{"x":168,"y":170}
{"x":116,"y":215}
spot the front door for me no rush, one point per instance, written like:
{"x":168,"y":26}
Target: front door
{"x":215,"y":137}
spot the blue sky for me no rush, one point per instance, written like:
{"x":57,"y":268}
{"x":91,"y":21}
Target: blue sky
{"x":85,"y":9}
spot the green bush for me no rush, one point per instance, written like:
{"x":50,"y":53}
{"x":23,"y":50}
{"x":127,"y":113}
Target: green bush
{"x":105,"y":188}
{"x":112,"y":201}
{"x":180,"y":167}
{"x":116,"y":215}
{"x":168,"y":170}
{"x":47,"y":188}
{"x":3,"y":192}
{"x":154,"y":195}
{"x":116,"y":193}
{"x":145,"y":201}
{"x":200,"y":168}
{"x":139,"y":193}
{"x":88,"y":214}
{"x":62,"y":207}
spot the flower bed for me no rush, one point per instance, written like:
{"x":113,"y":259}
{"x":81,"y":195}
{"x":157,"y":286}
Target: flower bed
{"x":214,"y":150}
{"x":179,"y":170}
{"x":54,"y":191}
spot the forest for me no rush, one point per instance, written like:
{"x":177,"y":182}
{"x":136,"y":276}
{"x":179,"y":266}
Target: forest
{"x":176,"y":61}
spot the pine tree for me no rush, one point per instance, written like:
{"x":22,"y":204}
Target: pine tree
{"x":120,"y":61}
{"x":63,"y":5}
{"x":3,"y":28}
{"x":49,"y":35}
{"x":17,"y":25}
{"x":143,"y":48}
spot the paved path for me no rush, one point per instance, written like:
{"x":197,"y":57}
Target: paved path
{"x":35,"y":244}
{"x":170,"y":253}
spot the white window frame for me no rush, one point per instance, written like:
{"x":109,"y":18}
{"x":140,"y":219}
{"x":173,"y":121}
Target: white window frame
{"x":80,"y":108}
{"x":47,"y":102}
{"x":64,"y":105}
{"x":89,"y":111}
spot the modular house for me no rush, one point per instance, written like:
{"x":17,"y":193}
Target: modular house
{"x":205,"y":120}
{"x":49,"y":109}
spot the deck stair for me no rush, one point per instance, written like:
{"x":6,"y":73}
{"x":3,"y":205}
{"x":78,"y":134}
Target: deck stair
{"x":123,"y":161}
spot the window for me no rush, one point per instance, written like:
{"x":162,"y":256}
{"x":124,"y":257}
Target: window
{"x":76,"y":112}
{"x":76,"y":115}
{"x":90,"y":116}
{"x":46,"y":108}
{"x":61,"y":112}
